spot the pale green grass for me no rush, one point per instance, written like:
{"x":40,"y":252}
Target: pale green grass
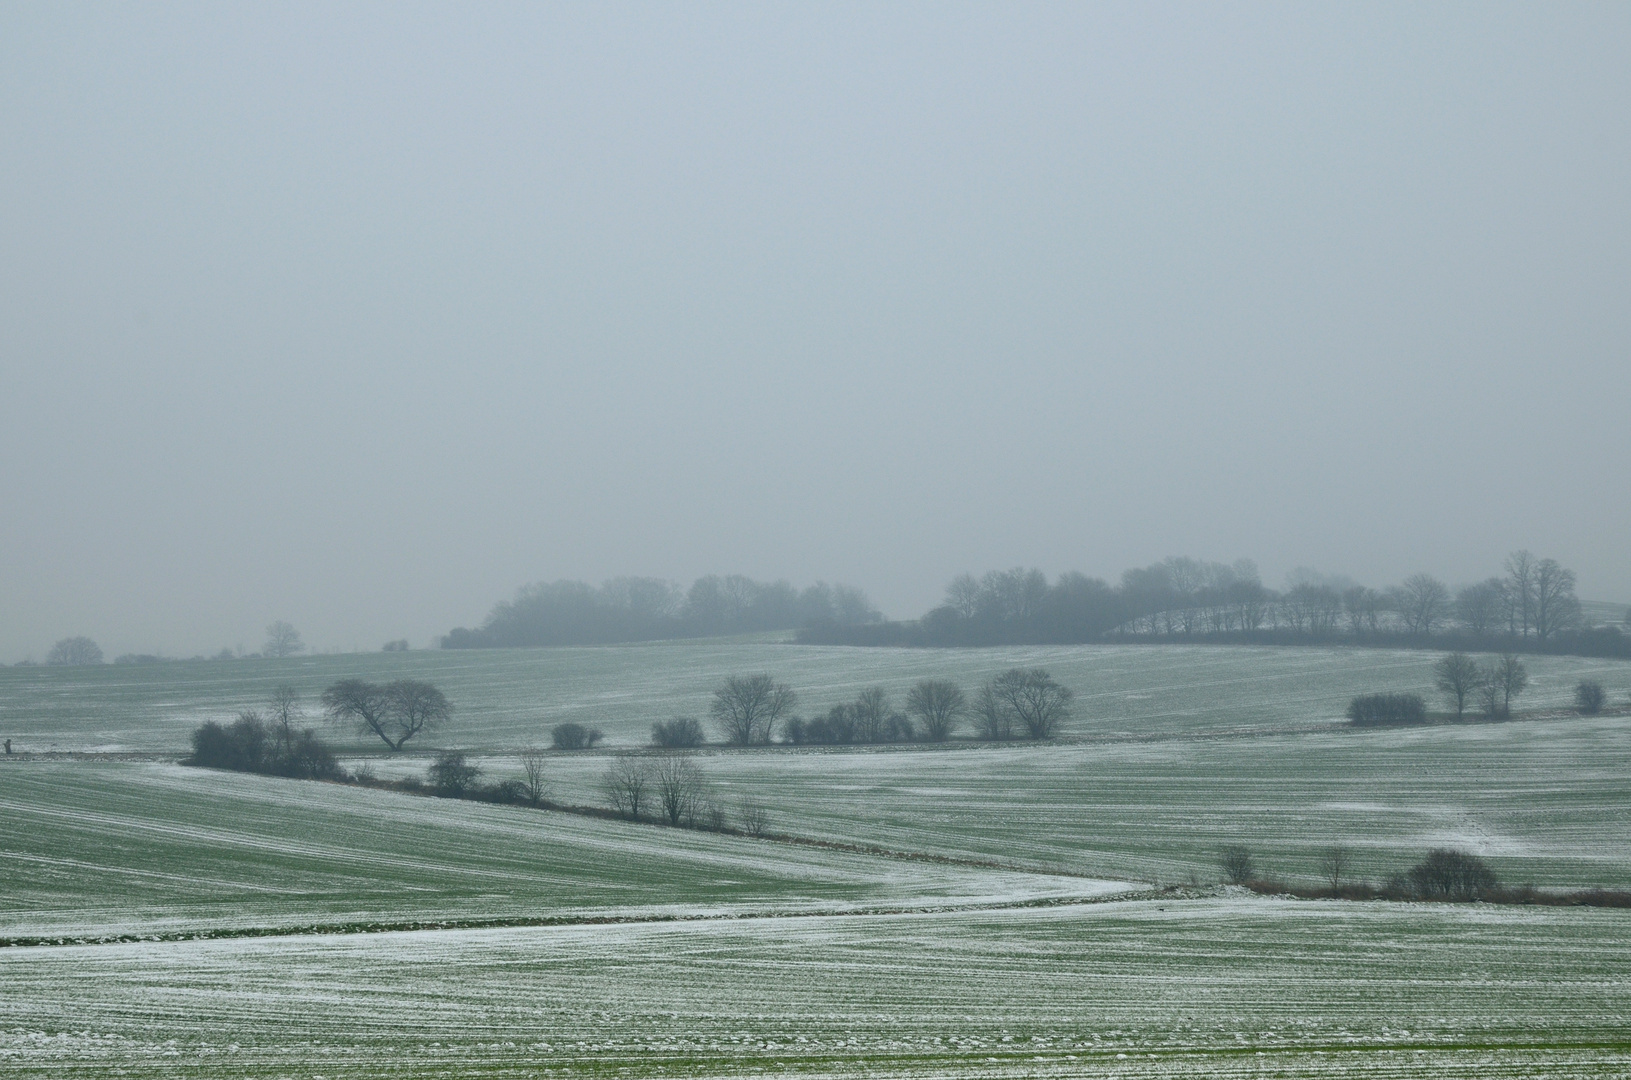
{"x":99,"y":849}
{"x":509,"y":698}
{"x":1230,"y":987}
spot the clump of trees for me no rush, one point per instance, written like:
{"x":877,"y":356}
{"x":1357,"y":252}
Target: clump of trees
{"x":74,"y":650}
{"x":647,"y":609}
{"x":1504,"y":679}
{"x":261,"y":744}
{"x":1026,"y":700}
{"x":574,"y":736}
{"x":745,"y":708}
{"x":667,"y":787}
{"x":682,"y":732}
{"x":1374,"y":709}
{"x":395,"y":711}
{"x":867,"y":719}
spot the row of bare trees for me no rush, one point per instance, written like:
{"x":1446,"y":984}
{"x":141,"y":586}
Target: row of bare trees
{"x":751,"y":710}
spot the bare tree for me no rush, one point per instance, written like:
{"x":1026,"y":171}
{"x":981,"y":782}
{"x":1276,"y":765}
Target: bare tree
{"x":627,"y":784}
{"x":679,"y":788}
{"x":1335,"y":862}
{"x":1447,"y":874}
{"x":285,"y":710}
{"x":1423,"y":602}
{"x":746,"y":707}
{"x":74,"y":650}
{"x":755,"y":818}
{"x":282,"y":640}
{"x":534,"y":782}
{"x":573,"y":736}
{"x":1479,"y":606}
{"x":992,"y":716}
{"x":1236,"y":862}
{"x":1364,"y":609}
{"x":1503,"y":680}
{"x":1034,"y":699}
{"x":1555,"y":606}
{"x":870,"y":713}
{"x":1457,"y":677}
{"x":1589,"y":697}
{"x":1520,"y":587}
{"x":395,"y":712}
{"x":937,"y":703}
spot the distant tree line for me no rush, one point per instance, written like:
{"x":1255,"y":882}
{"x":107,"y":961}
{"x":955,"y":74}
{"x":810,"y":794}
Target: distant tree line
{"x":1463,"y":682}
{"x":650,"y":609}
{"x":1530,"y":607}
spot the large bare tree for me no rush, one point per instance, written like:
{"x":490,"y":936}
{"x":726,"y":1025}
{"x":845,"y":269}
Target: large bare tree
{"x":746,"y":707}
{"x":1555,"y":606}
{"x":679,"y":788}
{"x":937,"y":703}
{"x":627,"y":784}
{"x":1031,"y":697}
{"x":1457,"y":677}
{"x":396,"y":712}
{"x":1422,"y":601}
{"x":282,"y":640}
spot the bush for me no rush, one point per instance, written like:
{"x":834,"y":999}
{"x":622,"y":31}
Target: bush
{"x":680,"y":733}
{"x":1373,"y":709}
{"x":574,"y":736}
{"x":1236,"y":862}
{"x":451,"y":775}
{"x":1448,"y":874}
{"x":249,"y":744}
{"x":1589,"y":697}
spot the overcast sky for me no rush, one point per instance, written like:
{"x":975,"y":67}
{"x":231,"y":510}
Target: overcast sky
{"x":362,"y":316}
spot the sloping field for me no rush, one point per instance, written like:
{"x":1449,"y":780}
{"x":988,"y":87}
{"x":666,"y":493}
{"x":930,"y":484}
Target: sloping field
{"x":1545,"y":801}
{"x":101,"y":849}
{"x":1226,"y":987}
{"x":509,"y":698}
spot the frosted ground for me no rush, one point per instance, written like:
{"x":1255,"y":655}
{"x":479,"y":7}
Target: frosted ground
{"x":1220,"y":987}
{"x":509,"y":698}
{"x":808,"y":961}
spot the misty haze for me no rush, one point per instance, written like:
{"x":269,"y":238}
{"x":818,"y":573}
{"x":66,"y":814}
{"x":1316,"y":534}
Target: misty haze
{"x":911,"y":541}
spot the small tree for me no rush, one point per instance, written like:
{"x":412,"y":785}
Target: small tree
{"x":570,"y":736}
{"x":534,"y":781}
{"x":1236,"y":863}
{"x":746,"y":707}
{"x":992,"y":717}
{"x":74,"y":650}
{"x":755,"y":818}
{"x":1448,"y":874}
{"x":627,"y":784}
{"x":285,"y":710}
{"x":1457,"y":678}
{"x":1504,"y":680}
{"x":1589,"y":697}
{"x":682,"y":732}
{"x":1335,"y":862}
{"x":678,"y":787}
{"x":937,"y":703}
{"x":282,"y":640}
{"x":451,"y":775}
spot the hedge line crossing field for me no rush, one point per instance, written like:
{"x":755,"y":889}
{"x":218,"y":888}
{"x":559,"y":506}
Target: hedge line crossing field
{"x":1225,"y":987}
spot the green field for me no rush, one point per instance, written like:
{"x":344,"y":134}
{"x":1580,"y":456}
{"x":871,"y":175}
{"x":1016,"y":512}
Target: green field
{"x":508,"y":698}
{"x":1224,"y":987}
{"x":729,"y":956}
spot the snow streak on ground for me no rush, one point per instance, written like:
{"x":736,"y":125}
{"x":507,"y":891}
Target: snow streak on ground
{"x":1226,"y":987}
{"x":507,"y":698}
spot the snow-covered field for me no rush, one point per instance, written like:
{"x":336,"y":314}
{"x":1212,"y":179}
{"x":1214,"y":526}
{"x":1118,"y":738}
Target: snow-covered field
{"x":1234,"y":986}
{"x":510,"y":698}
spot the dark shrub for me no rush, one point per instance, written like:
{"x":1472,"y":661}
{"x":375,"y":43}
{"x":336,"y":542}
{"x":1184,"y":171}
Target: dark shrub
{"x":1236,"y":862}
{"x":1373,"y":709}
{"x":793,"y":731}
{"x":679,"y":733}
{"x":451,"y":775}
{"x":1447,"y":874}
{"x":309,"y":758}
{"x":1589,"y":697}
{"x":249,"y":744}
{"x":571,"y":736}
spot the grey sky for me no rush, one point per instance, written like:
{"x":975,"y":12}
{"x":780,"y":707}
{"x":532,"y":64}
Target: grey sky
{"x":362,"y":316}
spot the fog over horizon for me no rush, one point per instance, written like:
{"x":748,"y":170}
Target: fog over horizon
{"x":362,"y":316}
